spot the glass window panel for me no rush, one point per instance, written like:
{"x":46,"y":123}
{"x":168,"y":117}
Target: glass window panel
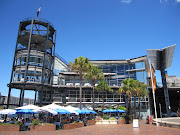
{"x":116,"y":96}
{"x":116,"y":100}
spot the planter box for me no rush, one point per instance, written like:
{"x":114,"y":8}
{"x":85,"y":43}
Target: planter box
{"x":91,"y":122}
{"x":73,"y":125}
{"x":9,"y":128}
{"x":121,"y":121}
{"x":106,"y":122}
{"x":43,"y":128}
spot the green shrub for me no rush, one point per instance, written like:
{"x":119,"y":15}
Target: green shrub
{"x":18,"y":123}
{"x":46,"y":123}
{"x":121,"y":107}
{"x":112,"y":118}
{"x":35,"y":122}
{"x":6,"y":124}
{"x":105,"y":117}
{"x":123,"y":115}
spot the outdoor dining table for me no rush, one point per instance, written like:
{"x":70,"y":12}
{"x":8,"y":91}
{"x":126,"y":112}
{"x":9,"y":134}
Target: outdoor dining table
{"x":27,"y":124}
{"x":10,"y":122}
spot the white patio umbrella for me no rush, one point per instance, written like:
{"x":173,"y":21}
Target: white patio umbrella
{"x":7,"y":111}
{"x":46,"y":111}
{"x":30,"y":106}
{"x":71,"y":110}
{"x":52,"y":106}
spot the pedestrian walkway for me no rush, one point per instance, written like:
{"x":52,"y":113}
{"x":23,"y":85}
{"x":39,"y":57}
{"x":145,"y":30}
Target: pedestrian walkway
{"x":127,"y":129}
{"x":169,"y":122}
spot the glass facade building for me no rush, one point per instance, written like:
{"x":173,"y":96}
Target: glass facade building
{"x":115,"y":71}
{"x":122,"y":71}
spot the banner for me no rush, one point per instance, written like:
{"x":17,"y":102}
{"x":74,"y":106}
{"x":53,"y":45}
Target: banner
{"x":153,"y":78}
{"x":38,"y":11}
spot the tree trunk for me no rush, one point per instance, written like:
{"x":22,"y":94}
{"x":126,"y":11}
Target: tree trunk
{"x":130,"y":113}
{"x":103,"y":100}
{"x":139,"y":108}
{"x":80,"y":92}
{"x":93,"y":97}
{"x":93,"y":82}
{"x":135,"y":107}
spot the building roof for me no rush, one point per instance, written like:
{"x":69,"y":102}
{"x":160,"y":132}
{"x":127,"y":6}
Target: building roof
{"x":126,"y":61}
{"x":161,"y":58}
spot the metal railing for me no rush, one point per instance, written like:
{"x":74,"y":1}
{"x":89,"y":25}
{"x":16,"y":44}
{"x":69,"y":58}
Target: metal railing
{"x":63,"y":60}
{"x":169,"y":84}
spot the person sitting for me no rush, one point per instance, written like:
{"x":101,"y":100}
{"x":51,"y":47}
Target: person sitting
{"x":23,"y":121}
{"x":178,"y":113}
{"x":64,"y":121}
{"x":5,"y":120}
{"x":72,"y":119}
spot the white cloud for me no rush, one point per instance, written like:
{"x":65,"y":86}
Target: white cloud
{"x":177,"y":0}
{"x":128,"y":1}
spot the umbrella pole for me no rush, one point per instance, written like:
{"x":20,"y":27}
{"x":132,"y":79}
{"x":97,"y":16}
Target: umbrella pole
{"x":69,"y":118}
{"x":46,"y":117}
{"x":60,"y":119}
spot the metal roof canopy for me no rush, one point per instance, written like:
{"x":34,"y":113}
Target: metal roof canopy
{"x":161,"y":58}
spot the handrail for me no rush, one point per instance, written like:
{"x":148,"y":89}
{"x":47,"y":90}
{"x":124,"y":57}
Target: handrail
{"x":63,"y":60}
{"x":39,"y":19}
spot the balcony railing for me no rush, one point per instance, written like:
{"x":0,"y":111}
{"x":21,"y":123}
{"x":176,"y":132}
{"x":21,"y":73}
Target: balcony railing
{"x":169,"y":84}
{"x":84,"y":83}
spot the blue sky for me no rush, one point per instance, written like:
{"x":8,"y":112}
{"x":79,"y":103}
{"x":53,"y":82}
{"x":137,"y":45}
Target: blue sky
{"x":97,"y":29}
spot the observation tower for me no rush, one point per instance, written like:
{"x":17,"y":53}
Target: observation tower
{"x":33,"y":62}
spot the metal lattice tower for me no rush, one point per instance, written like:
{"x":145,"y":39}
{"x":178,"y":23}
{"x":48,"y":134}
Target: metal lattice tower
{"x":33,"y":59}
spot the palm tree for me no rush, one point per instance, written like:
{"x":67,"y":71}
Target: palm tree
{"x":102,"y":87}
{"x":135,"y":95}
{"x":80,"y":65}
{"x":141,"y":92}
{"x":94,"y":74}
{"x":128,"y":87}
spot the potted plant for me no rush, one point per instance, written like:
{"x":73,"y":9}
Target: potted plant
{"x":9,"y":127}
{"x":74,"y":125}
{"x":121,"y":121}
{"x":112,"y":120}
{"x":36,"y":125}
{"x":91,"y":122}
{"x":21,"y":125}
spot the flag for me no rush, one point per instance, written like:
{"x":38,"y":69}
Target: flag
{"x":38,"y":11}
{"x":153,"y":78}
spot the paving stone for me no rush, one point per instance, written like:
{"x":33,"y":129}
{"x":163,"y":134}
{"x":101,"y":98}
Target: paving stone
{"x":126,"y":129}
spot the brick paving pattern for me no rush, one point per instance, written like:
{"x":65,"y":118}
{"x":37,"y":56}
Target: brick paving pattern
{"x":144,"y":129}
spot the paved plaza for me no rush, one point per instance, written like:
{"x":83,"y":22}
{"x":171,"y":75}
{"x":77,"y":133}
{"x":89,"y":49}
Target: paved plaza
{"x":144,"y":129}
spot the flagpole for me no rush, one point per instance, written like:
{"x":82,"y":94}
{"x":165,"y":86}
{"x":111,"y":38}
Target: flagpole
{"x":38,"y":15}
{"x":153,"y":94}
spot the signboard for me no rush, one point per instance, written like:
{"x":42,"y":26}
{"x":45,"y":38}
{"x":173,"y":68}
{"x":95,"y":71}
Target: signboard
{"x":135,"y":123}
